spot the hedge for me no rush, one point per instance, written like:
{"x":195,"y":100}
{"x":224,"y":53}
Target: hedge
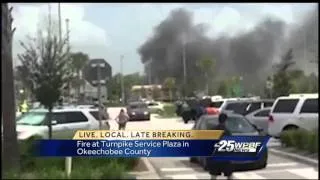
{"x":169,"y":110}
{"x":82,"y":167}
{"x":301,"y":139}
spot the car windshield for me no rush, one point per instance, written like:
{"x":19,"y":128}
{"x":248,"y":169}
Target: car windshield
{"x":138,"y":106}
{"x":234,"y":124}
{"x":216,"y":104}
{"x":239,"y":125}
{"x":31,"y":118}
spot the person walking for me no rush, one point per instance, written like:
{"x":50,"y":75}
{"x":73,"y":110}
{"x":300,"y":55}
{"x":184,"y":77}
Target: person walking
{"x":219,"y":167}
{"x":122,"y":119}
{"x":24,"y":107}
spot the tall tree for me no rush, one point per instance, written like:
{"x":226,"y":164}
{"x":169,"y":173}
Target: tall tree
{"x":282,"y":84}
{"x":10,"y":150}
{"x":49,"y":68}
{"x":169,"y":84}
{"x":78,"y":61}
{"x":207,"y":66}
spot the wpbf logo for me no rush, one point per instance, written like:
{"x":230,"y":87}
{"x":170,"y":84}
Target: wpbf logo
{"x":233,"y":146}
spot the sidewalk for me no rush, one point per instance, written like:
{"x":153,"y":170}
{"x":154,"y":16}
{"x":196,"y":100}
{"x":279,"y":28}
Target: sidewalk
{"x":150,"y":173}
{"x":290,"y":153}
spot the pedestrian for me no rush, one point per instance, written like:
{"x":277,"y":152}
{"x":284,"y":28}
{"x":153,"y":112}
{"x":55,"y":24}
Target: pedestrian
{"x":24,"y":107}
{"x":219,"y":167}
{"x":122,"y":119}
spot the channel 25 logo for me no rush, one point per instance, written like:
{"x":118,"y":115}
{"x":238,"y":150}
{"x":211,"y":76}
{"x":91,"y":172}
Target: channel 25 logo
{"x":233,"y":146}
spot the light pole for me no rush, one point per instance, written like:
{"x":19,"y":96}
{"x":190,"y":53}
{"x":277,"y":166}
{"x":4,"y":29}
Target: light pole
{"x":122,"y":83}
{"x":184,"y":60}
{"x":68,"y":45}
{"x":60,"y":33}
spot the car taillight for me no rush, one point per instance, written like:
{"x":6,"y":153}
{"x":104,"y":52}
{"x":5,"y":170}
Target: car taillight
{"x":271,"y":118}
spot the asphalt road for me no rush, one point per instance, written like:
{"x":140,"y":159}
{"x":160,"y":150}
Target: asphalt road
{"x":181,"y":168}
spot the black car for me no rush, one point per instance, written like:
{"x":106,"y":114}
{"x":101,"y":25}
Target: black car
{"x":245,"y":107}
{"x":138,"y":111}
{"x":239,"y":126}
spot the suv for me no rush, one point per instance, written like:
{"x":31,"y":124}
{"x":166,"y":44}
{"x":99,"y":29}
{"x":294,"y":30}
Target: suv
{"x":293,"y":112}
{"x":65,"y":122}
{"x":244,"y":106}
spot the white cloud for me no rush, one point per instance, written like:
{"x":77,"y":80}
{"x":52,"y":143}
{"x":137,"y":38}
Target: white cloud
{"x":27,"y":18}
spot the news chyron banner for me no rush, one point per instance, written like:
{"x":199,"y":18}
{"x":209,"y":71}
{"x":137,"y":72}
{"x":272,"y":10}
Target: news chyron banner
{"x":156,"y":143}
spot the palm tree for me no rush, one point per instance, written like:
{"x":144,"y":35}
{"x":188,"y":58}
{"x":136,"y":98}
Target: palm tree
{"x":169,"y":83}
{"x":207,"y":66}
{"x":10,"y":150}
{"x":78,"y":61}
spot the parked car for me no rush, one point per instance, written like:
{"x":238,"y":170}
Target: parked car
{"x":239,"y":126}
{"x":65,"y":122}
{"x":260,"y":118}
{"x":245,"y":106}
{"x":138,"y":111}
{"x":293,"y":112}
{"x":155,"y":107}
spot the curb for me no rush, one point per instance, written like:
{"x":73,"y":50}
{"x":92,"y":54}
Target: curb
{"x":295,"y":157}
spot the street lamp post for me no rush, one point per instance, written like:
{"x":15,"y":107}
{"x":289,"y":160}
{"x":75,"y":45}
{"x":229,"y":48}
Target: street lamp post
{"x":122,"y":83}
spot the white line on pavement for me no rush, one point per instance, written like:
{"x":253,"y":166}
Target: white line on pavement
{"x":247,"y":176}
{"x":185,"y":176}
{"x":176,"y":169}
{"x":282,"y":164}
{"x":307,"y":173}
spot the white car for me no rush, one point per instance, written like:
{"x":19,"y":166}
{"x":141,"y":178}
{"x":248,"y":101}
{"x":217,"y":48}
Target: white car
{"x":65,"y":122}
{"x":155,"y":106}
{"x":292,"y":112}
{"x":260,"y":118}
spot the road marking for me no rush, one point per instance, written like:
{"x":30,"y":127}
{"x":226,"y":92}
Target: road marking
{"x":281,"y":164}
{"x":307,"y":173}
{"x":176,"y":169}
{"x":247,"y":176}
{"x":184,"y":176}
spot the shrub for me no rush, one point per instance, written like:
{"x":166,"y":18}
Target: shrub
{"x":313,"y":142}
{"x":299,"y":138}
{"x":286,"y":138}
{"x":89,"y":167}
{"x":168,"y":110}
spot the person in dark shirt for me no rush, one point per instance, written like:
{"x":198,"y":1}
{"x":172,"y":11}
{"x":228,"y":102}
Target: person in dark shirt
{"x":219,"y":167}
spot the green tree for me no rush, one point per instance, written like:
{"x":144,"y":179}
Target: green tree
{"x":10,"y":148}
{"x":78,"y":61}
{"x":49,"y":68}
{"x":282,"y":84}
{"x":207,"y":65}
{"x":223,"y":88}
{"x":170,"y":83}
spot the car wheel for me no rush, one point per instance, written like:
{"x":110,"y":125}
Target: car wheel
{"x":205,"y":164}
{"x":193,"y":160}
{"x":290,"y":128}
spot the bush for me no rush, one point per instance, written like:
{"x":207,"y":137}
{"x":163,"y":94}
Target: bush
{"x":53,"y":168}
{"x":313,"y":142}
{"x":301,"y":139}
{"x":286,"y":138}
{"x":169,"y":110}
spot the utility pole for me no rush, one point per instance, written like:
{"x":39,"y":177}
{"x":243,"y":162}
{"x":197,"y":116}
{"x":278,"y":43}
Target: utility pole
{"x":184,"y":64}
{"x":49,"y":18}
{"x":68,"y":46}
{"x":60,"y":29}
{"x":122,"y":83}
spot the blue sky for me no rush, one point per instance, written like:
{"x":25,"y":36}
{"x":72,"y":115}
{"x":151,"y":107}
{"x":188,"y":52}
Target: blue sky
{"x":109,"y":30}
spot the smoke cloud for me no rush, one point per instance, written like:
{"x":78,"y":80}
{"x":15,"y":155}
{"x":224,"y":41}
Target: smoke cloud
{"x":250,"y":54}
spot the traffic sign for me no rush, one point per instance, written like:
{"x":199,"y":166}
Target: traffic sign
{"x":97,"y":70}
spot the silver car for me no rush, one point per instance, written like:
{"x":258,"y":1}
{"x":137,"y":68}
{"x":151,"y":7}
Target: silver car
{"x":260,"y":118}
